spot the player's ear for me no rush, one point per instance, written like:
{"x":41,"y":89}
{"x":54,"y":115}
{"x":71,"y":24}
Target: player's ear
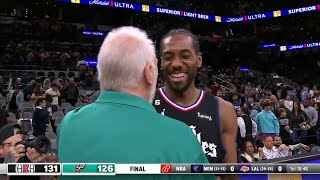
{"x":199,"y":60}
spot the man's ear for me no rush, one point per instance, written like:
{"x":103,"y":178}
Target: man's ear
{"x":199,"y":60}
{"x":149,"y":74}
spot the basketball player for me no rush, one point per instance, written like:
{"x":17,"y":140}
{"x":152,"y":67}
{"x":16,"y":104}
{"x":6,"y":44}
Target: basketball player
{"x":212,"y":120}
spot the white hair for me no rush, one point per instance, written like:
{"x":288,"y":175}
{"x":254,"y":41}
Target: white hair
{"x":123,"y":57}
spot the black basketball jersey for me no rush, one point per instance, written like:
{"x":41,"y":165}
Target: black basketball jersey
{"x":202,"y":117}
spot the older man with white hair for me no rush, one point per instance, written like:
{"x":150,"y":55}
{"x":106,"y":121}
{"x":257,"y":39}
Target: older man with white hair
{"x":122,"y":126}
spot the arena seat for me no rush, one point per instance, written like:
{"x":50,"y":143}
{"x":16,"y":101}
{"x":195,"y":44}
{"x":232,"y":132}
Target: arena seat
{"x":68,"y":109}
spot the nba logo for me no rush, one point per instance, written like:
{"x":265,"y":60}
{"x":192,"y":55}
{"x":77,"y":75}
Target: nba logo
{"x":166,"y":168}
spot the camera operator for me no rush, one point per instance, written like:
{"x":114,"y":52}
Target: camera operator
{"x":11,"y":151}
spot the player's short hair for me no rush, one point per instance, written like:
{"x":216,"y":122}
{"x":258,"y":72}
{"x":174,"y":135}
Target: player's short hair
{"x":195,"y":40}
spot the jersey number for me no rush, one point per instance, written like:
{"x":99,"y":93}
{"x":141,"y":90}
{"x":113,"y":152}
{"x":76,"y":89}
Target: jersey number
{"x":157,"y":102}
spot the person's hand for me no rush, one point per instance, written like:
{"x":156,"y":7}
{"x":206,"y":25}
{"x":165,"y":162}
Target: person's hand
{"x":307,"y":148}
{"x":282,"y":147}
{"x":15,"y":152}
{"x":34,"y":156}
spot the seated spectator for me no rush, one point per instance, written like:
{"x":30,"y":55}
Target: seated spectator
{"x":40,"y":117}
{"x":249,"y":153}
{"x":269,"y":150}
{"x":287,"y":151}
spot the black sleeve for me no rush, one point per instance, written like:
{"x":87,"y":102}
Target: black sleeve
{"x":243,"y":159}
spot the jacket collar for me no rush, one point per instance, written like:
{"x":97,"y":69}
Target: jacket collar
{"x":124,"y":98}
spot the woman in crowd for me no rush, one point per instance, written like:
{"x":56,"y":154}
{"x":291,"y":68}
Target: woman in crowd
{"x":288,"y":103}
{"x":298,"y":123}
{"x":249,"y":153}
{"x":46,"y":84}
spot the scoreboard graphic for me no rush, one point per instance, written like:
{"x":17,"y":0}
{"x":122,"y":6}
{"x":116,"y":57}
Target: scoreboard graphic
{"x":107,"y":169}
{"x":40,"y":169}
{"x":88,"y":169}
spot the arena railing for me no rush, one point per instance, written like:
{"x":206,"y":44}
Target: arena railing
{"x":196,"y":15}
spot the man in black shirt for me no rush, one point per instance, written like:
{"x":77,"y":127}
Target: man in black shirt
{"x":40,"y":117}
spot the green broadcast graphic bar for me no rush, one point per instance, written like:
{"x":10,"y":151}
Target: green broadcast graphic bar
{"x":88,"y":169}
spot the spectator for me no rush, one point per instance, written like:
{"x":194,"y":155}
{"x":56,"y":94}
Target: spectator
{"x":288,"y":103}
{"x":312,"y":121}
{"x":285,"y":131}
{"x":28,"y":90}
{"x":72,"y":92}
{"x":272,"y":98}
{"x":36,"y":93}
{"x":287,"y":150}
{"x":304,"y":94}
{"x":40,"y":117}
{"x":281,"y":105}
{"x":55,"y":94}
{"x":46,"y":84}
{"x":253,"y":112}
{"x":298,"y":120}
{"x":267,"y":122}
{"x":269,"y":150}
{"x":16,"y":101}
{"x":236,"y":101}
{"x":249,"y":153}
{"x":294,"y":96}
{"x":247,"y":127}
{"x":19,"y":83}
{"x":49,"y":100}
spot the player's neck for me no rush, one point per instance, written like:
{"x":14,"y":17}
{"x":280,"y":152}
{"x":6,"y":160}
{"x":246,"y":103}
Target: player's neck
{"x":184,"y":98}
